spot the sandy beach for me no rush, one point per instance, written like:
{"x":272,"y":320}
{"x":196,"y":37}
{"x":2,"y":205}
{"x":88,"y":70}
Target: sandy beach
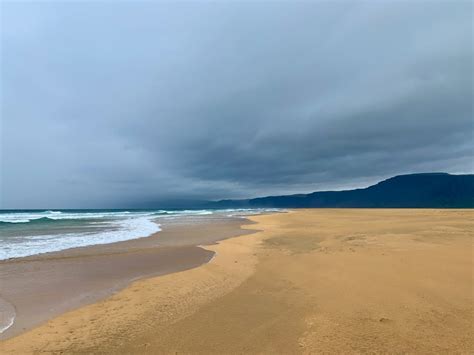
{"x":46,"y":285}
{"x":309,"y":281}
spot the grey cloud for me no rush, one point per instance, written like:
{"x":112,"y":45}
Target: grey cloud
{"x":115,"y":104}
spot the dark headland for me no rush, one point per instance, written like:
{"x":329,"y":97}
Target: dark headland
{"x":427,"y":190}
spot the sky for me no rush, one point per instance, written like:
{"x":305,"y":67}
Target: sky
{"x":136,"y":104}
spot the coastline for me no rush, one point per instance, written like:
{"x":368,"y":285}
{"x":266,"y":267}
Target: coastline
{"x":39,"y":287}
{"x":307,"y":281}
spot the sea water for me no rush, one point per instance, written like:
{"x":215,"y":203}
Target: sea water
{"x":31,"y":232}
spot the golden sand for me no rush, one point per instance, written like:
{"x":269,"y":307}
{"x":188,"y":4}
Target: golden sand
{"x":312,"y":281}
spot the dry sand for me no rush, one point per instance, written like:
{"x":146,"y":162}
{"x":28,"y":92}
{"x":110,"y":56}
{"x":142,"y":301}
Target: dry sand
{"x":312,"y":281}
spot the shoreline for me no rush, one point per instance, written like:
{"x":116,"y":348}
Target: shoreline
{"x":65,"y":280}
{"x":307,"y":281}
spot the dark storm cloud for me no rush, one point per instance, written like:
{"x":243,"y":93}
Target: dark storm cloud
{"x":109,"y":104}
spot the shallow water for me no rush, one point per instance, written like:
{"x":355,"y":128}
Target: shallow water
{"x":7,"y":315}
{"x":31,"y":232}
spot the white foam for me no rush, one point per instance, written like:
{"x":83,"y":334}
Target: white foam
{"x":8,"y":324}
{"x":7,"y":315}
{"x":191,"y":212}
{"x":125,"y":229}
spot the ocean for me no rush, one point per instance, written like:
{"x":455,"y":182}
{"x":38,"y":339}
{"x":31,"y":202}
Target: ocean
{"x":31,"y":232}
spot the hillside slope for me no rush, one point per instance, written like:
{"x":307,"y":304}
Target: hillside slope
{"x":429,"y":190}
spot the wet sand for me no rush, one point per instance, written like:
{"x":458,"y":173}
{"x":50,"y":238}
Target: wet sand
{"x":44,"y":286}
{"x":310,"y":281}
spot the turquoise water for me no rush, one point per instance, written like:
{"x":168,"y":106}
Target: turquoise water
{"x":30,"y":232}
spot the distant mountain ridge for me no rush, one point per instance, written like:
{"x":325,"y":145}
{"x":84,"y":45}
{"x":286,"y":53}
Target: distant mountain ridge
{"x":425,"y":190}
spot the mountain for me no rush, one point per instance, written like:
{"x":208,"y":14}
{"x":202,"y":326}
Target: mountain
{"x":429,"y":190}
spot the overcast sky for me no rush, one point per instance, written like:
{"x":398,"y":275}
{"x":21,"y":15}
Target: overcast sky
{"x":108,"y":104}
